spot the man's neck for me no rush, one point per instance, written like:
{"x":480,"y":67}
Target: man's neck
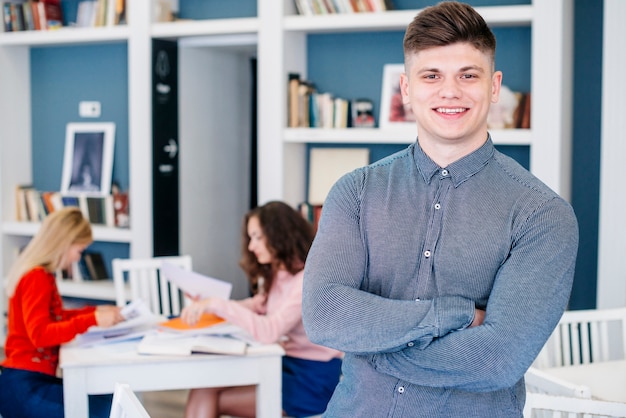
{"x":445,"y":152}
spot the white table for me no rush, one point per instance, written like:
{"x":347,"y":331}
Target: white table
{"x":606,"y":379}
{"x":95,"y":370}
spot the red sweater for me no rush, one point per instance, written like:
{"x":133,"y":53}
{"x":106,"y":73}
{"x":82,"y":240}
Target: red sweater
{"x":38,"y":324}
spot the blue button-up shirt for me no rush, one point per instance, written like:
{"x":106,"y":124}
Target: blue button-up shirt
{"x":405,"y":252}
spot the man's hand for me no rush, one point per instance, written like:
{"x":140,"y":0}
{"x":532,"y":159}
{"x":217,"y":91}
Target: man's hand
{"x":479,"y":317}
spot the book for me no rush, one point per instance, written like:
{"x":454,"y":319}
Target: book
{"x":70,"y":201}
{"x":96,"y":266}
{"x":52,"y":13}
{"x":6,"y":17}
{"x":52,"y":201}
{"x":120,"y":210}
{"x":293,"y":84}
{"x":96,"y":210}
{"x":21,"y":203}
{"x":327,"y":165}
{"x":34,"y":9}
{"x":85,"y":16}
{"x":120,"y":12}
{"x":161,"y":343}
{"x":206,"y":321}
{"x":36,"y":212}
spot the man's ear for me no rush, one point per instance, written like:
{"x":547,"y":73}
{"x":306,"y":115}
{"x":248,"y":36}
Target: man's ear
{"x":496,"y":83}
{"x":404,"y":88}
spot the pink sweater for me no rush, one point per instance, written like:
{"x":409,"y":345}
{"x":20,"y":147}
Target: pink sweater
{"x":277,"y":320}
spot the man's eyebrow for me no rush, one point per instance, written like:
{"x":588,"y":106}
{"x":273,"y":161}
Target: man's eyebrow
{"x":462,"y":69}
{"x":473,"y":68}
{"x":428,"y":70}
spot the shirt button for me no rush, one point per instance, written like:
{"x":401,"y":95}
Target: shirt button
{"x":411,"y":344}
{"x":426,"y":253}
{"x":401,"y":389}
{"x":444,"y":172}
{"x":437,"y":206}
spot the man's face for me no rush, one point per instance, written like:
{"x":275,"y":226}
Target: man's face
{"x":450,"y":89}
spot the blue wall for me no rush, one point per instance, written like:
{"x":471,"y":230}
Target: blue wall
{"x":61,"y":77}
{"x":587,"y":114}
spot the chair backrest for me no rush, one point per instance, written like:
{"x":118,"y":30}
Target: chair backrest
{"x":147,"y":283}
{"x":542,"y":405}
{"x":585,"y":336}
{"x":538,"y":381}
{"x":126,"y":404}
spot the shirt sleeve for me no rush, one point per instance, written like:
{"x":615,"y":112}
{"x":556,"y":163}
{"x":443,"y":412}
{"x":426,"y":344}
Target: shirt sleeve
{"x":43,"y":330}
{"x":528,"y":298}
{"x":71,"y":313}
{"x":335,"y":308}
{"x":266,"y":328}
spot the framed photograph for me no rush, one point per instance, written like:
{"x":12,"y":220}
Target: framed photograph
{"x":88,"y":159}
{"x":393,"y":113}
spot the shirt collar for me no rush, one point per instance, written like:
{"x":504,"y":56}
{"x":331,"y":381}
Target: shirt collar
{"x":460,"y":170}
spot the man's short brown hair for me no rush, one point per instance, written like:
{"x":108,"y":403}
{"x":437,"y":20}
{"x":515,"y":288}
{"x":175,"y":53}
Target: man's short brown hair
{"x":447,"y":23}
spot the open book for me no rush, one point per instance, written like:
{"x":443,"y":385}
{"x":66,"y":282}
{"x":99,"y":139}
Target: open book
{"x":165,"y":343}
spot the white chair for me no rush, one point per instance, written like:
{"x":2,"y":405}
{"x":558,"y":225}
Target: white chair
{"x":538,"y":381}
{"x":540,"y":404}
{"x":147,"y":283}
{"x":126,"y":404}
{"x":585,"y":336}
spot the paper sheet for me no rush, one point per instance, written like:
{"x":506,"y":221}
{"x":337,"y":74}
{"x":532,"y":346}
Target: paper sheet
{"x":196,"y":285}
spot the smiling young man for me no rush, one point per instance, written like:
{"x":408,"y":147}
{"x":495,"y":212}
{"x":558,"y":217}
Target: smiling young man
{"x":440,"y":270}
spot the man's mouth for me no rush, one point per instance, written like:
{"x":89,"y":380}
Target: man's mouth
{"x":451,"y":111}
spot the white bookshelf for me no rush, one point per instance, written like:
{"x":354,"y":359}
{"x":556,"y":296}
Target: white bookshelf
{"x":221,"y":46}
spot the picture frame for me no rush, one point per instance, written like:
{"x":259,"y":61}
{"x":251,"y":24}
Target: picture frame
{"x":393,"y":113}
{"x":88,"y":159}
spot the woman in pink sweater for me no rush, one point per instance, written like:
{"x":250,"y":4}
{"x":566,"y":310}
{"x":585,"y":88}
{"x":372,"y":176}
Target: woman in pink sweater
{"x":276,"y":241}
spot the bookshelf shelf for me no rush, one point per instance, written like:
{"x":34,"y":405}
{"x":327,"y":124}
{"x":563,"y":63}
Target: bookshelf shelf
{"x":497,"y":16}
{"x":100,"y":233}
{"x":96,"y":290}
{"x":206,"y":27}
{"x":66,"y":36}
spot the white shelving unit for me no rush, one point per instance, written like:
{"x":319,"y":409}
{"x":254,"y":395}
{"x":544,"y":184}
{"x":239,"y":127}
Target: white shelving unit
{"x":278,"y":37}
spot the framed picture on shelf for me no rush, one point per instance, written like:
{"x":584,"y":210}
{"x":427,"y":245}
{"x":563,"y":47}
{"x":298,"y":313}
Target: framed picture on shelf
{"x":88,"y":158}
{"x":393,"y":113}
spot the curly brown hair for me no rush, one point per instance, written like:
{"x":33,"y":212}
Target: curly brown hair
{"x":288,"y":237}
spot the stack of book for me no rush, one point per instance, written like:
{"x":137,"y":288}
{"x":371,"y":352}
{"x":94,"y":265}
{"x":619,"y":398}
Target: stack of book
{"x":20,"y":15}
{"x":211,"y":335}
{"x":33,"y":205}
{"x":322,"y":7}
{"x":311,"y":109}
{"x":97,"y":13}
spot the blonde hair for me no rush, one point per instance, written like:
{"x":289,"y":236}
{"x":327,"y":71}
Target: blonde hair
{"x":48,"y":248}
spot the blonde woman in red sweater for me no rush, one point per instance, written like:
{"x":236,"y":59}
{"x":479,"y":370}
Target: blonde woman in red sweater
{"x":38,"y":324}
